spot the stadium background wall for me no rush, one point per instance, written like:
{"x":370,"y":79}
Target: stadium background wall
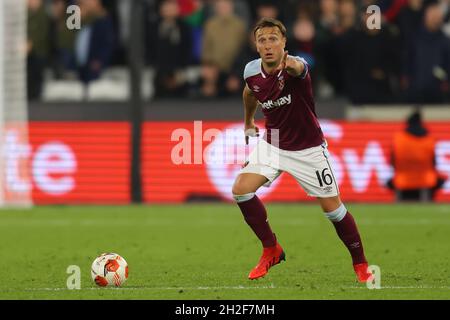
{"x":89,"y":161}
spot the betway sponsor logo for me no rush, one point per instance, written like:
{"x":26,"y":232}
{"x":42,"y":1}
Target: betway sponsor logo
{"x":277,"y":103}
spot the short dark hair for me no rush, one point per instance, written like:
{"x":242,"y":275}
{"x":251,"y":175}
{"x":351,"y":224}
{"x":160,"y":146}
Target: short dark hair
{"x":270,"y":23}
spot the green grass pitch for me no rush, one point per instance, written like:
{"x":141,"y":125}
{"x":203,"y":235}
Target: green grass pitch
{"x":205,"y":251}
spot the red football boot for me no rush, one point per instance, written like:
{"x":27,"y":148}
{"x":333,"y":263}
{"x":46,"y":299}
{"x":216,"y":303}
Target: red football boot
{"x":362,"y":272}
{"x":270,"y":257}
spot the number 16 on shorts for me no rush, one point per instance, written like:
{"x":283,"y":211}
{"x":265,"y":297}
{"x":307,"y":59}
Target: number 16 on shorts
{"x":324,"y":177}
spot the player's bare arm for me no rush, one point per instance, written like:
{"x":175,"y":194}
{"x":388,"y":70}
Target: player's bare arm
{"x":250,"y":106}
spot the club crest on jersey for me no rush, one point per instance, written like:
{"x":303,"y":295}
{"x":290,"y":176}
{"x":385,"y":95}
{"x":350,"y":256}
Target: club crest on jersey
{"x":281,"y":82}
{"x":269,"y":104}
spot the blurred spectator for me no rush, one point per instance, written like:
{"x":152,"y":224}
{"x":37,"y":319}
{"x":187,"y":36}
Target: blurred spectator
{"x":446,"y":9}
{"x":240,"y":8}
{"x":169,"y":49}
{"x":224,"y":36}
{"x":123,"y":12}
{"x":38,"y":47}
{"x":302,"y":41}
{"x":427,"y":67}
{"x":333,"y":57}
{"x":195,"y":18}
{"x":186,"y":7}
{"x":289,"y":10}
{"x":371,"y":60}
{"x":367,"y":66}
{"x":62,"y":40}
{"x":95,"y":42}
{"x":267,"y":9}
{"x":328,"y":68}
{"x":328,"y":18}
{"x":394,"y":7}
{"x":409,"y":21}
{"x":414,"y":162}
{"x":348,"y":14}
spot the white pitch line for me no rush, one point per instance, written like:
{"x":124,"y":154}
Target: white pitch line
{"x":403,"y":287}
{"x":234,"y":288}
{"x":162,"y":288}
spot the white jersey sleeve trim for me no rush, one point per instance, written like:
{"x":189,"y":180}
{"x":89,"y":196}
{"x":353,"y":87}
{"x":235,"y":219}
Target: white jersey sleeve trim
{"x":252,"y":68}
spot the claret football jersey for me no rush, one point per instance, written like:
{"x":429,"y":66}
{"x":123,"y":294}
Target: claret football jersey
{"x":287,"y":103}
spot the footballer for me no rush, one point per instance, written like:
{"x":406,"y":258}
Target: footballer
{"x":293,"y":143}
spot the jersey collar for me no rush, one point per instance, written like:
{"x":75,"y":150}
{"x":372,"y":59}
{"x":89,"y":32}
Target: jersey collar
{"x":265,"y":74}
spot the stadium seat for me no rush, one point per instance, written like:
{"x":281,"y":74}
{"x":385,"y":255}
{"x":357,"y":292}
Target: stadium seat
{"x":108,"y":90}
{"x":114,"y":85}
{"x":120,"y":74}
{"x":63,"y":90}
{"x":148,"y":89}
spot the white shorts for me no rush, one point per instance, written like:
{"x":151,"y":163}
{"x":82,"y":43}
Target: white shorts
{"x":310,"y":167}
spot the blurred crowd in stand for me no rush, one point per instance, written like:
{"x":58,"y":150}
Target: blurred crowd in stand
{"x":199,"y":48}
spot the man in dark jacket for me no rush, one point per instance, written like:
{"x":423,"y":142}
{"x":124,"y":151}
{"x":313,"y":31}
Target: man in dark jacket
{"x":95,"y":42}
{"x":370,"y":60}
{"x":169,"y":49}
{"x":38,"y":24}
{"x":427,"y":66}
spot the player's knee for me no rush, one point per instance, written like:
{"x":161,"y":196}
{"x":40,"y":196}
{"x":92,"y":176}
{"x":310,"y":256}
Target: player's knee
{"x":241,"y":193}
{"x":337,"y":214}
{"x":330,"y":204}
{"x":238,"y":188}
{"x":243,"y":197}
